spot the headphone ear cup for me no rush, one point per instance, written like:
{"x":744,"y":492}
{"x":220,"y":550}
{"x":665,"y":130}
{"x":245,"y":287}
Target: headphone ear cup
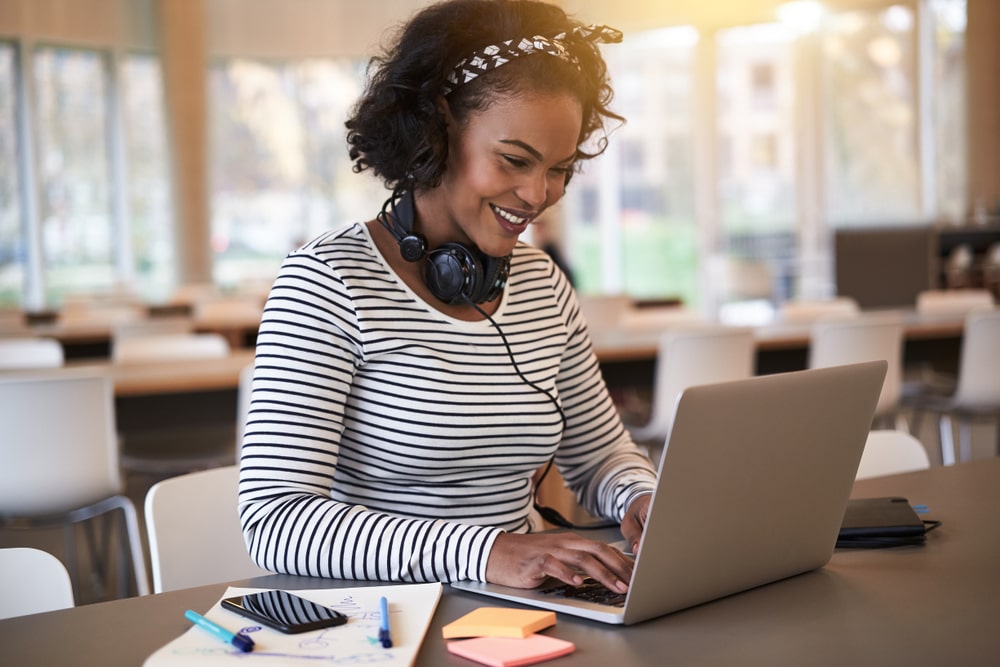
{"x":450,"y":271}
{"x":412,"y":247}
{"x":493,"y":276}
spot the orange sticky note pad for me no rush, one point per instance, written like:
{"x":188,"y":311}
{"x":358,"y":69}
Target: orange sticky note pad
{"x":511,"y":652}
{"x":499,"y":622}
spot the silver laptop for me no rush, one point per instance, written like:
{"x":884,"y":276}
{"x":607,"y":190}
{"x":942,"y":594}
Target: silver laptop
{"x":753,"y":485}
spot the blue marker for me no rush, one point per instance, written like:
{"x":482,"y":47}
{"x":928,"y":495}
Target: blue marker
{"x":383,"y":631}
{"x":242,"y":642}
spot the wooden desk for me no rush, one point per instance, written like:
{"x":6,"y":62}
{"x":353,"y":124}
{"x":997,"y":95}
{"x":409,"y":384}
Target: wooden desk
{"x":176,"y":376}
{"x":932,"y":605}
{"x":93,"y":340}
{"x":628,"y":357}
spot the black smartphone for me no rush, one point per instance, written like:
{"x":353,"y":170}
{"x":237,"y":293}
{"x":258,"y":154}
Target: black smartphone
{"x":284,"y":611}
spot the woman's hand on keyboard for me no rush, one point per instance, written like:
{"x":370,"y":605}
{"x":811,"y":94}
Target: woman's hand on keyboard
{"x":526,"y":561}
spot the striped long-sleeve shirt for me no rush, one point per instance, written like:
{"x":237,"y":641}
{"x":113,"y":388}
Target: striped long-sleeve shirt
{"x":388,"y":441}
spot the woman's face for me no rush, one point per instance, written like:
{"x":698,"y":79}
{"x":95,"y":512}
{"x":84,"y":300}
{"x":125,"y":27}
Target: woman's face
{"x":506,"y":165}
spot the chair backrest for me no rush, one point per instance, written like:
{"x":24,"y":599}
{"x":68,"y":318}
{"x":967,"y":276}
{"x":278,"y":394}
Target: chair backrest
{"x":811,"y":310}
{"x":169,"y":347}
{"x":13,"y":322}
{"x":194,"y":532}
{"x":604,"y":311}
{"x":659,"y":318}
{"x":59,"y":447}
{"x":979,"y":362}
{"x":18,"y":353}
{"x":693,"y":355}
{"x":953,"y":301}
{"x":32,"y":581}
{"x":235,"y":310}
{"x":100,"y":313}
{"x":866,"y":338}
{"x":891,"y":452}
{"x":153,"y":326}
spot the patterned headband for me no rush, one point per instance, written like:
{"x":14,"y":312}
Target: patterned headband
{"x":497,"y":55}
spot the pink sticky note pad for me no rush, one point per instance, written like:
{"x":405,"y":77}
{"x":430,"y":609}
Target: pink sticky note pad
{"x":510,"y":651}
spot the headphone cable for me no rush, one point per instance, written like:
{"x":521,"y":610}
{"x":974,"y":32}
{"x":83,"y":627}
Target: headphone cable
{"x":550,"y":514}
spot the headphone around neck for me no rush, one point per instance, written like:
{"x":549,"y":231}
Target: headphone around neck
{"x":454,"y":273}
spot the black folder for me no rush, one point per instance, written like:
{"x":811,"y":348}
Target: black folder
{"x":880,"y":522}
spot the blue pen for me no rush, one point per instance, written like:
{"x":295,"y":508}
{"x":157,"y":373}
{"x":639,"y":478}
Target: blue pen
{"x":383,"y":631}
{"x":242,"y":642}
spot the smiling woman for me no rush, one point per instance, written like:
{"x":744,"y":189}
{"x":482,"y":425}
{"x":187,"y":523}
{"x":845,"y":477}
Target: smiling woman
{"x":415,"y":372}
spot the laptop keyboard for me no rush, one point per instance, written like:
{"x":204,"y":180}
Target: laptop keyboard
{"x":590,"y":590}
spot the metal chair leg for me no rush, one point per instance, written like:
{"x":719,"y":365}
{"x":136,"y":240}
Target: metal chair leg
{"x":947,"y":440}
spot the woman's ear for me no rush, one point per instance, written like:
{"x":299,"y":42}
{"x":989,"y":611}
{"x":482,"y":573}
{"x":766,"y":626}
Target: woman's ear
{"x":445,"y":110}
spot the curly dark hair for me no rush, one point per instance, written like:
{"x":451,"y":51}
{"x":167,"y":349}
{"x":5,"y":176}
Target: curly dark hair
{"x":396,"y":128}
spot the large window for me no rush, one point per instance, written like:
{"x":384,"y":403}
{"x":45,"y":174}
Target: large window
{"x":280,"y":169}
{"x":71,"y":109}
{"x":756,"y":130}
{"x":149,"y":214}
{"x":12,"y":237}
{"x":858,"y":120}
{"x":93,"y":157}
{"x":870,"y":144}
{"x":630,"y":213}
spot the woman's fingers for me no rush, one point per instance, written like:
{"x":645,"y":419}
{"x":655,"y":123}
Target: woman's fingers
{"x":526,"y":561}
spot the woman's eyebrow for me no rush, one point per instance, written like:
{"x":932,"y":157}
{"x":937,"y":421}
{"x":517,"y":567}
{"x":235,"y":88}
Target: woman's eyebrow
{"x":534,"y":153}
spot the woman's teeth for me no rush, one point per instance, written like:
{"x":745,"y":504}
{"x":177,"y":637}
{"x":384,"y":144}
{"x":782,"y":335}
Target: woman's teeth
{"x":510,"y":217}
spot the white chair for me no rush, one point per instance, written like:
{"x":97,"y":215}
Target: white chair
{"x":60,"y":468}
{"x":977,"y":394}
{"x":182,"y":448}
{"x":13,"y":322}
{"x":891,"y":453}
{"x":32,"y":581}
{"x":952,"y":302}
{"x":802,"y":310}
{"x":168,"y":347}
{"x":152,"y":326}
{"x":25,"y":353}
{"x":604,"y":311}
{"x":194,"y":531}
{"x":865,"y":338}
{"x":100,"y":313}
{"x":659,"y":318}
{"x":693,"y":355}
{"x":226,"y":311}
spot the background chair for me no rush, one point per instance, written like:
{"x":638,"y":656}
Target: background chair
{"x":13,"y":322}
{"x":809,"y":310}
{"x":194,"y":531}
{"x":26,"y":353}
{"x":165,"y":347}
{"x":604,"y":311}
{"x":152,"y":326}
{"x":865,"y":338}
{"x":955,"y":302}
{"x":977,"y":393}
{"x":100,"y":313}
{"x":693,"y":355}
{"x":175,"y":447}
{"x":890,"y":453}
{"x":60,"y":468}
{"x":32,"y":581}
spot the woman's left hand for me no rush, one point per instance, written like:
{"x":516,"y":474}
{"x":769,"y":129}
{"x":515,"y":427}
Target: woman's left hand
{"x":634,"y":521}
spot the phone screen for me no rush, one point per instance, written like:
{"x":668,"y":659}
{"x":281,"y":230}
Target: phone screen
{"x":284,"y":611}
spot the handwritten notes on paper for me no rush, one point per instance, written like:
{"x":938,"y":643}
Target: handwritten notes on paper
{"x":411,"y":607}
